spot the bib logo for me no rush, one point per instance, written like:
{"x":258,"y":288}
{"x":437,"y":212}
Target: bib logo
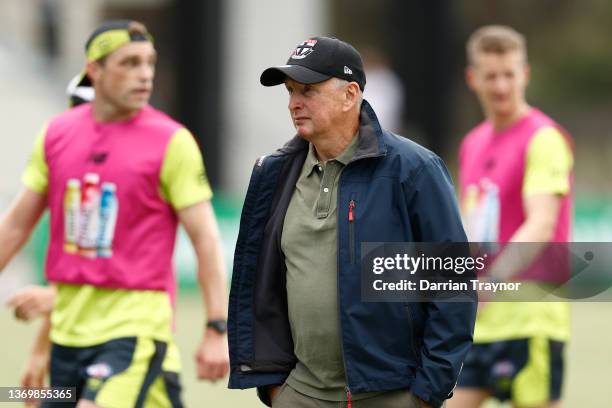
{"x":304,"y":49}
{"x":100,"y":370}
{"x":98,"y":157}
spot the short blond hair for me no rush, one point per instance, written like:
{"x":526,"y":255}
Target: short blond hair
{"x":495,"y":39}
{"x":136,"y":27}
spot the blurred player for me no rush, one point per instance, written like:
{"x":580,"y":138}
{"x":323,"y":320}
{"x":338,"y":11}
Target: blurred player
{"x":516,"y":186}
{"x":37,"y":301}
{"x":118,"y":176}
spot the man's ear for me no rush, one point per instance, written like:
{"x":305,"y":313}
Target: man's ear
{"x":94,"y":69}
{"x":352,"y":95}
{"x":527,"y":69}
{"x":469,"y":77}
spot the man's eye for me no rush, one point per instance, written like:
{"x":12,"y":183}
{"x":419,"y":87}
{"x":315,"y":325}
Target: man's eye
{"x":131,"y":62}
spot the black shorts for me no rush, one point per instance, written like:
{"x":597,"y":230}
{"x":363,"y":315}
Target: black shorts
{"x":124,"y":372}
{"x":525,"y":371}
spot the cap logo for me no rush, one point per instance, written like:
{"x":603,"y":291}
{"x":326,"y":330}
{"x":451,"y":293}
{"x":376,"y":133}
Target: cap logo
{"x":347,"y":70}
{"x":304,"y":49}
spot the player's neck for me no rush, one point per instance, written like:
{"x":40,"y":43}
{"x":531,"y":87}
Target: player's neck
{"x":503,"y":122}
{"x":106,"y":112}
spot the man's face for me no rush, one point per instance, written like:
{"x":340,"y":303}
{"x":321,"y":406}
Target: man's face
{"x":125,"y":77}
{"x":316,"y":109}
{"x":499,"y":81}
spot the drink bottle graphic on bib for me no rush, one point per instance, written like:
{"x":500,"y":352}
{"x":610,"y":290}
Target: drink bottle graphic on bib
{"x":72,"y":207}
{"x":90,"y":215}
{"x":108,"y":217}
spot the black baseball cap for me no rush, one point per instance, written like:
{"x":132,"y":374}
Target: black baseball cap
{"x":318,"y":59}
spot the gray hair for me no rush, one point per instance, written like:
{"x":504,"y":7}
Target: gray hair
{"x":341,"y":83}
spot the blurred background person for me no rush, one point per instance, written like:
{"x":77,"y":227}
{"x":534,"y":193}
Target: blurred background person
{"x":98,"y":260}
{"x":515,"y":175}
{"x":37,"y":301}
{"x":385,"y":91}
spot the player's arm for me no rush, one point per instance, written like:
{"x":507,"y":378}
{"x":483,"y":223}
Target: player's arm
{"x":185,"y":186}
{"x":541,"y":214}
{"x":17,"y":223}
{"x":37,"y":366}
{"x":199,"y":221}
{"x":201,"y":226}
{"x":549,"y":164}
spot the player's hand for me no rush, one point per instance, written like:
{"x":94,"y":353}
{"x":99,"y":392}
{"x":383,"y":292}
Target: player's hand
{"x":35,"y":373}
{"x":32,"y":301}
{"x":212,"y":356}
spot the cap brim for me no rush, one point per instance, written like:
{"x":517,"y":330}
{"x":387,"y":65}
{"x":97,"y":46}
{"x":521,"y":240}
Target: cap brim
{"x":277,"y":75}
{"x":81,"y":79}
{"x":79,"y":89}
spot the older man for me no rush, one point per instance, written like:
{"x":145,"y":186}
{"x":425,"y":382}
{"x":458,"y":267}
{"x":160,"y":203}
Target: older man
{"x":298,"y":329}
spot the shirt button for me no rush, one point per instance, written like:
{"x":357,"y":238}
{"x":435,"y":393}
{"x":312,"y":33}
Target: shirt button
{"x":326,"y":190}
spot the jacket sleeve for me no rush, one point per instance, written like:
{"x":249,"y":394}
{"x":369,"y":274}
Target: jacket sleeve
{"x":448,"y":326}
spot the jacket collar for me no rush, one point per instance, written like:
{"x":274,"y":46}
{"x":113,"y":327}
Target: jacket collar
{"x":371,"y":142}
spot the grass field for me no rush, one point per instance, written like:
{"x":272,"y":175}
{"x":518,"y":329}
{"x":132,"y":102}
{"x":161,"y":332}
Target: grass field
{"x":589,"y":382}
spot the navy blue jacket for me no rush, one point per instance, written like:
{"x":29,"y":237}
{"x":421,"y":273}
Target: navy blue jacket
{"x":401,"y":192}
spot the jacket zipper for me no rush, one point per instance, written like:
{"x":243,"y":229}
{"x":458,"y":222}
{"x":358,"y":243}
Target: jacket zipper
{"x":351,"y":226}
{"x":351,"y":219}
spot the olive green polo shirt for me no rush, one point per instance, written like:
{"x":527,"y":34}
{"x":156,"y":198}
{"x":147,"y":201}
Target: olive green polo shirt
{"x":310,"y":248}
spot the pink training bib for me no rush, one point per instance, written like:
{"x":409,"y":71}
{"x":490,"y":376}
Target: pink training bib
{"x":492,"y":171}
{"x":110,"y":226}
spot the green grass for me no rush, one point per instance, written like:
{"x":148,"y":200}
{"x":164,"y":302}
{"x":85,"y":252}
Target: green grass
{"x":587,"y":376}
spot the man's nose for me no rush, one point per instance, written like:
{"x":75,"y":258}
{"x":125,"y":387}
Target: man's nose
{"x":501,"y":84}
{"x":295,"y":102}
{"x":146,"y":72}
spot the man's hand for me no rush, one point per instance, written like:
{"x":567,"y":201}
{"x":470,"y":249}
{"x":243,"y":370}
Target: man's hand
{"x":273,"y":391}
{"x":32,"y":301}
{"x":212,"y":356}
{"x":423,"y":404}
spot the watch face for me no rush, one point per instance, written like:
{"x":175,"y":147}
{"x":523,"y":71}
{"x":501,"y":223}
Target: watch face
{"x":218,"y":325}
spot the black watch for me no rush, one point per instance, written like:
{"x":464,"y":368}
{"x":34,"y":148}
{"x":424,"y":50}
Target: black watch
{"x":218,"y":325}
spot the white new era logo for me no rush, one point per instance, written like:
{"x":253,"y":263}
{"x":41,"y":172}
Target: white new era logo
{"x":347,"y":70}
